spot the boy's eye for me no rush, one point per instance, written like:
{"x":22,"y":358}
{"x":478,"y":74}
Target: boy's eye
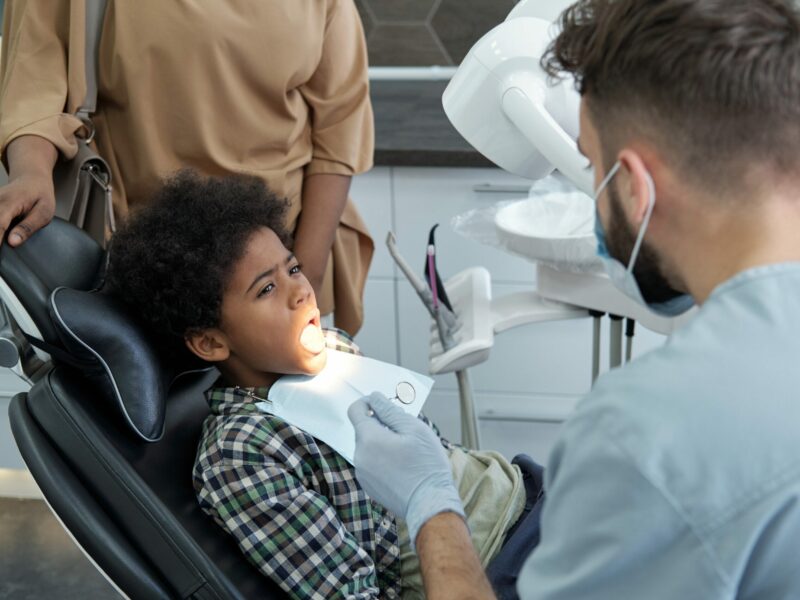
{"x":296,"y":269}
{"x":266,"y":290}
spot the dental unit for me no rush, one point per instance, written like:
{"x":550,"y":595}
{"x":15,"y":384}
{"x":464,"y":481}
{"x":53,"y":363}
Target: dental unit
{"x":505,"y":105}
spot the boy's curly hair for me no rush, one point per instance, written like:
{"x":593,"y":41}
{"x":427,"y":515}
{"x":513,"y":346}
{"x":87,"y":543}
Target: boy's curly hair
{"x":173,"y":259}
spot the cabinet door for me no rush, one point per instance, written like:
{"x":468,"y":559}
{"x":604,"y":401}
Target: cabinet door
{"x":378,"y":336}
{"x":425,"y":196}
{"x":372,"y":194}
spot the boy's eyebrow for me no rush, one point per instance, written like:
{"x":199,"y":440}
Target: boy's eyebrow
{"x":268,"y":273}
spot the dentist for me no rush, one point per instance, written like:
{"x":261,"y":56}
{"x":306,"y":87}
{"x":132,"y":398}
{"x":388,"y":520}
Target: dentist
{"x":678,"y":476}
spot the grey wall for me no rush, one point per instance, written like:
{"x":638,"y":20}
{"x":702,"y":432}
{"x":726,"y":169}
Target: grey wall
{"x":427,"y":32}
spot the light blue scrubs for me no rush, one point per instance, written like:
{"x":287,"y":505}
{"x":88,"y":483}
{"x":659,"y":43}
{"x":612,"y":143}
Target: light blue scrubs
{"x":679,"y":475}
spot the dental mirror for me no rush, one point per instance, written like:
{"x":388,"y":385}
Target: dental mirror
{"x":405,"y":393}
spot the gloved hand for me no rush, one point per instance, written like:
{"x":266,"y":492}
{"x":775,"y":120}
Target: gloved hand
{"x":401,"y":463}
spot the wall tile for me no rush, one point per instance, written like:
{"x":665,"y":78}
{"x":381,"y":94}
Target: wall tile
{"x":401,"y":10}
{"x":404,"y":46}
{"x":460,"y":23}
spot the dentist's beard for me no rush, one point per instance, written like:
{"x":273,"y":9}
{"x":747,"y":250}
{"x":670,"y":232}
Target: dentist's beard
{"x":648,"y":270}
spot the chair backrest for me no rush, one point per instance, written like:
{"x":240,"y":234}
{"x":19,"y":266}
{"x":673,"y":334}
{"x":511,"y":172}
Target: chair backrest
{"x":129,"y":503}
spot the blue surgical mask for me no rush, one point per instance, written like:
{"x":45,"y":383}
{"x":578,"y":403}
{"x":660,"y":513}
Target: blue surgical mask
{"x":621,"y":276}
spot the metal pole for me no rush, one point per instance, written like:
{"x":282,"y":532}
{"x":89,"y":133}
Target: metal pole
{"x":615,"y":342}
{"x":470,"y":433}
{"x":596,"y":316}
{"x":630,"y":328}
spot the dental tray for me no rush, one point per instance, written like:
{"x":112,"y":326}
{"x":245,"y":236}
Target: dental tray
{"x":554,"y":228}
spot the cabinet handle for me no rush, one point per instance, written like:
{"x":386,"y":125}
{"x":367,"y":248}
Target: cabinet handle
{"x":489,"y":188}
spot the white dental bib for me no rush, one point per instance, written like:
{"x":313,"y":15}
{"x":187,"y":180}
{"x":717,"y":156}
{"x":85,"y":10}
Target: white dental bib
{"x":318,"y":404}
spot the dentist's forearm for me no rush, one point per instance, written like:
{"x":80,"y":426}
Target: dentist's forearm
{"x":451,"y":570}
{"x":324,"y":199}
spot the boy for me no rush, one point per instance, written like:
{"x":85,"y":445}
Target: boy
{"x":208,"y":263}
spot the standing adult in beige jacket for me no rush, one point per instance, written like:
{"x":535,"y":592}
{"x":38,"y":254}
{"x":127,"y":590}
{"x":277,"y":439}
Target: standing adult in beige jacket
{"x":274,"y":89}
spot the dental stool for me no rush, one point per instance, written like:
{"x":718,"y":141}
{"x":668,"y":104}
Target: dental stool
{"x":109,"y":430}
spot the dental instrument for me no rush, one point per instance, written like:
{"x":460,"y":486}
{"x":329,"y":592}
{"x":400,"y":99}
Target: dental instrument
{"x":432,"y":277}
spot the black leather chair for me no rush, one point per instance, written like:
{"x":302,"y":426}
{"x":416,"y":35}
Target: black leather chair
{"x":126,"y":501}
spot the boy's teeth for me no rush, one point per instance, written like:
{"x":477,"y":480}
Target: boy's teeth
{"x":312,"y":339}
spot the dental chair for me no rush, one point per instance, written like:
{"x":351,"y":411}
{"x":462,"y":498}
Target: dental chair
{"x":109,"y":429}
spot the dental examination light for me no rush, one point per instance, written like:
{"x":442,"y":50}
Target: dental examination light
{"x":505,"y":105}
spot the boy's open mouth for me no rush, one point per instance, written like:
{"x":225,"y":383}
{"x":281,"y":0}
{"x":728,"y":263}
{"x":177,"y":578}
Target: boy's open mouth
{"x":311,"y":337}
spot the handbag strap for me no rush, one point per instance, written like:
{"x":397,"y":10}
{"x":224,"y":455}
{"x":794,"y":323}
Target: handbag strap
{"x":95,"y":13}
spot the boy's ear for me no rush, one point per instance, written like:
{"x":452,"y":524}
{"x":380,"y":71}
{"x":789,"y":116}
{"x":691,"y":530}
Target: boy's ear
{"x":210,"y":344}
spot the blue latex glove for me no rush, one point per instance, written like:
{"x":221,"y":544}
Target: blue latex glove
{"x":401,"y":463}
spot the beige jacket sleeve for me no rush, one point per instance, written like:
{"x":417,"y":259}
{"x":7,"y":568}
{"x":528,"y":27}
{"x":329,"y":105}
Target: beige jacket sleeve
{"x":338,"y":95}
{"x":34,"y":73}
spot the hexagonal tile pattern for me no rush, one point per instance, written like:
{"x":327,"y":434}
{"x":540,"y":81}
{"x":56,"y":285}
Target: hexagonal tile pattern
{"x":401,"y":10}
{"x":366,"y":17}
{"x":460,"y":23}
{"x":404,"y":46}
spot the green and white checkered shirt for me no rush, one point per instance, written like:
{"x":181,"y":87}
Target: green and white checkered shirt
{"x":292,"y":503}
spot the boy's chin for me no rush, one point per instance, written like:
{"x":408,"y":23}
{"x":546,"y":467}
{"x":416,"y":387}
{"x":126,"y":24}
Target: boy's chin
{"x":316,"y":363}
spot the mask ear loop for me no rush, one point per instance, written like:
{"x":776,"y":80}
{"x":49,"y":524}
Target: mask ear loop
{"x":651,"y":203}
{"x":606,"y":180}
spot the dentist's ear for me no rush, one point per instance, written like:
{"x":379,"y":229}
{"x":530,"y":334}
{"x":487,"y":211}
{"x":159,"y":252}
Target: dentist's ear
{"x":635,"y":186}
{"x":210,"y":344}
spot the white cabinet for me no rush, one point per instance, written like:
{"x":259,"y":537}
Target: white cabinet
{"x":372,"y":195}
{"x":378,"y":337}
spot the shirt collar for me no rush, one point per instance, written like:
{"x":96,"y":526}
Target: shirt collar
{"x":230,"y":400}
{"x":754,"y":274}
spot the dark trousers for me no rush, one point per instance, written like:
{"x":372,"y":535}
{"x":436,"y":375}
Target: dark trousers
{"x":523,"y":536}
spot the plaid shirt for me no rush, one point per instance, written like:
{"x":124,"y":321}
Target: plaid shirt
{"x":293,"y":503}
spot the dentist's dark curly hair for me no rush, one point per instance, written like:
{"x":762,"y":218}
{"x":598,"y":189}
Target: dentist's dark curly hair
{"x":172,"y":260}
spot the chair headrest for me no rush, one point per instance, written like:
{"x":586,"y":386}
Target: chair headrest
{"x":98,"y":329}
{"x":59,"y":254}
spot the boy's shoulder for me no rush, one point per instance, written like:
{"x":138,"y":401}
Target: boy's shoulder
{"x":337,"y":339}
{"x":259,"y":438}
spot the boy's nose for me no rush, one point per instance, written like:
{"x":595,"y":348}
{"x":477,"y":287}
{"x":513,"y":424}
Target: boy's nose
{"x":301,"y":292}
